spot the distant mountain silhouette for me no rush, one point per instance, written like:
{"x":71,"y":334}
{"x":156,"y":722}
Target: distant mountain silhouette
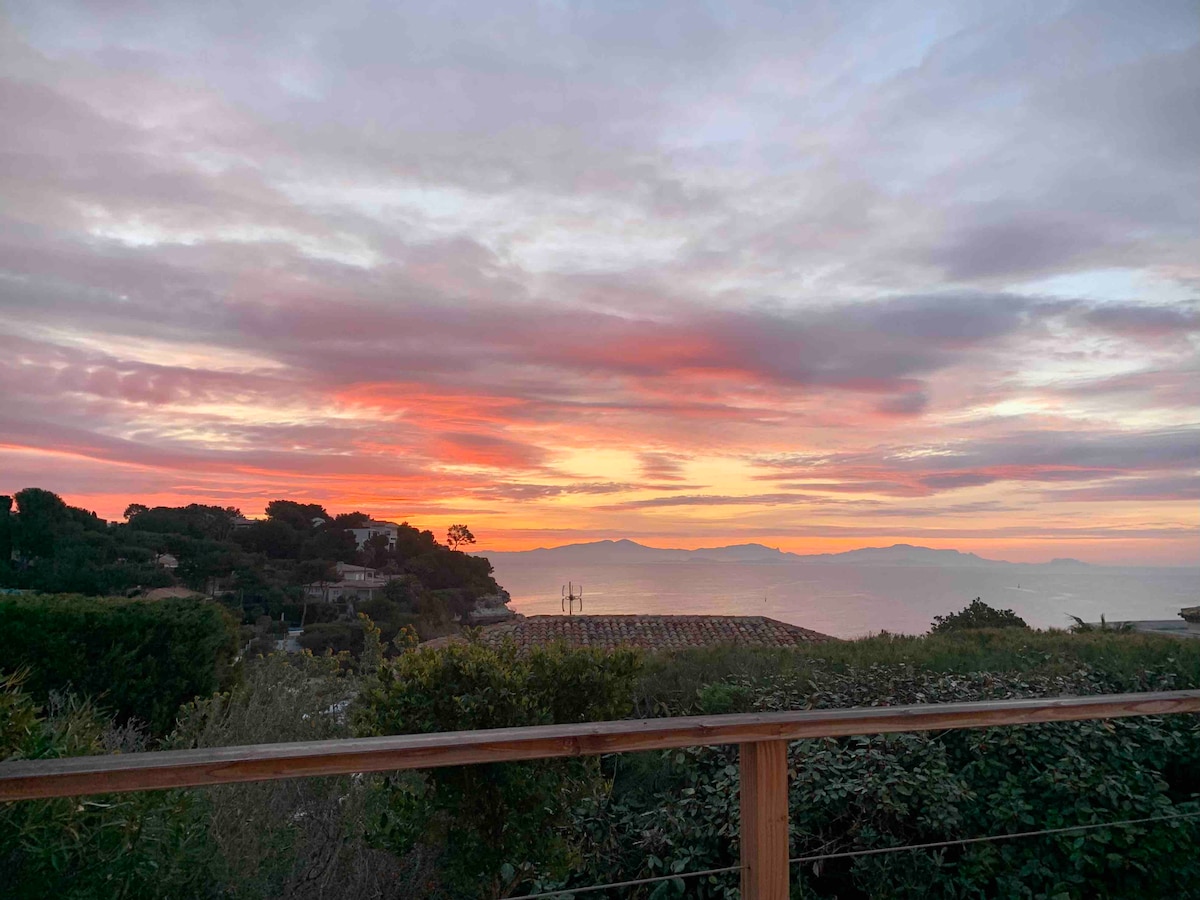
{"x":624,"y":552}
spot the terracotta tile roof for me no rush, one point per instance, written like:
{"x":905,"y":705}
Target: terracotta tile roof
{"x":645,"y":632}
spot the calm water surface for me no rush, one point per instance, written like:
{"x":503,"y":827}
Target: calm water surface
{"x":849,"y":601}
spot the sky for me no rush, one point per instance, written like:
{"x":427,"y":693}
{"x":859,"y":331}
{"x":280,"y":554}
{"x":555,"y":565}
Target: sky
{"x":815,"y":275}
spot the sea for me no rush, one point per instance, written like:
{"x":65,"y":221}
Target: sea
{"x":852,"y":601}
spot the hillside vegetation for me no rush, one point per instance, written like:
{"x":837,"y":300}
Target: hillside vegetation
{"x":256,"y":568}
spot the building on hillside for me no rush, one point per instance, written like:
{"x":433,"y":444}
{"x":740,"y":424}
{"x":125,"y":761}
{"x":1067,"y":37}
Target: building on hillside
{"x":652,"y":633}
{"x":390,"y":529}
{"x":347,"y":590}
{"x":347,"y":572}
{"x":167,"y":561}
{"x":354,"y":584}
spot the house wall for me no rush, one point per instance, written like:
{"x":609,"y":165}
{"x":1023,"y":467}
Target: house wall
{"x":362,"y":535}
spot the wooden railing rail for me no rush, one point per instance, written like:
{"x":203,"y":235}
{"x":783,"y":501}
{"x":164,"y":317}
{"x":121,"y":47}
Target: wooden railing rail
{"x":762,"y":740}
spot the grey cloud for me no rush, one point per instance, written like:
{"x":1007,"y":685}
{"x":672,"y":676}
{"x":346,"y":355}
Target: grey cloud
{"x":949,"y":480}
{"x":177,"y":455}
{"x":1168,"y":449}
{"x":662,"y":466}
{"x":1145,"y":319}
{"x":1172,"y":388}
{"x":909,"y":404}
{"x":1169,"y":488}
{"x":774,"y":499}
{"x":1031,"y":457}
{"x":525,"y":492}
{"x":1025,"y":245}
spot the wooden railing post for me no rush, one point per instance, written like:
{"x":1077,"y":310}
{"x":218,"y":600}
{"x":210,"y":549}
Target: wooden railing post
{"x":764,"y":804}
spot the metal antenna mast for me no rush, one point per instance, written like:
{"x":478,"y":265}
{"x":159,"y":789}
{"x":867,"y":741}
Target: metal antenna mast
{"x":570,"y":598}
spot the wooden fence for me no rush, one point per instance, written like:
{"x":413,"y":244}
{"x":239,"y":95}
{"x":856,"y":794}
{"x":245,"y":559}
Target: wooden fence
{"x":762,"y":739}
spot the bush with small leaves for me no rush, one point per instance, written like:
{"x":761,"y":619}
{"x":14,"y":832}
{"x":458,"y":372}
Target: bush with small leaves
{"x":140,"y":846}
{"x":977,"y":614}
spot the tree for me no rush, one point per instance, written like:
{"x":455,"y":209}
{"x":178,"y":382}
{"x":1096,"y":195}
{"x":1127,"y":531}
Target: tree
{"x":301,"y":516}
{"x":977,"y":615}
{"x":195,"y":520}
{"x":41,"y":517}
{"x":275,"y":538}
{"x":351,"y":520}
{"x":6,"y":523}
{"x":459,"y":534}
{"x":135,"y":509}
{"x":310,"y":571}
{"x":374,"y":553}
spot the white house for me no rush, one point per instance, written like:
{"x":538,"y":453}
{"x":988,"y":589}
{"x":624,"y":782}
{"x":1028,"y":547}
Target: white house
{"x":349,"y":589}
{"x":391,"y":529}
{"x":347,"y":572}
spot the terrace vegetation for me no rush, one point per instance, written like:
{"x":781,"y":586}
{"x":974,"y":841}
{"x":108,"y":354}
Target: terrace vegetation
{"x":498,"y":830}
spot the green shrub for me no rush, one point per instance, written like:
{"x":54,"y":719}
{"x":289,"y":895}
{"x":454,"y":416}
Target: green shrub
{"x":141,"y":659}
{"x":333,"y":637}
{"x":140,"y":845}
{"x":679,"y":808}
{"x":977,"y":614}
{"x":505,"y":819}
{"x":299,"y":837}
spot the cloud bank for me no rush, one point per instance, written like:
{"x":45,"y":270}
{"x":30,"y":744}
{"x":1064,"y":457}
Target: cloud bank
{"x":817,"y":276}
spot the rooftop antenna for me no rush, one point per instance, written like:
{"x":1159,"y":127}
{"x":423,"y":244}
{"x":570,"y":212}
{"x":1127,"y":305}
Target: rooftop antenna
{"x":570,"y":598}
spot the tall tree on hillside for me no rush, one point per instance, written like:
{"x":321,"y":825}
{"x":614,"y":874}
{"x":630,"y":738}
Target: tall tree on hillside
{"x":301,"y":516}
{"x":6,"y":523}
{"x":41,"y":517}
{"x":459,"y":534}
{"x":195,"y":520}
{"x":374,"y":552}
{"x":351,"y":520}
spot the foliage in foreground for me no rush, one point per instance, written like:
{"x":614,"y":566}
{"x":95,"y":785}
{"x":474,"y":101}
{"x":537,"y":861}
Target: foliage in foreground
{"x":124,"y":845}
{"x":680,"y":807}
{"x":141,"y":659}
{"x":298,"y":838}
{"x":494,"y":831}
{"x":497,"y":825}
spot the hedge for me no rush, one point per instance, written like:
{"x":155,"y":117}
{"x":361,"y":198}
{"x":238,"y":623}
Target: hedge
{"x":139,"y":658}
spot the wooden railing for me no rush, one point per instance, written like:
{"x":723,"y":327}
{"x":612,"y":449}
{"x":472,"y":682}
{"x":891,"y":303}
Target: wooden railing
{"x":762,"y":740}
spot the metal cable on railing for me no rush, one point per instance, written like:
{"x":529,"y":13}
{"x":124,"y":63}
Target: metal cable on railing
{"x":958,"y":842}
{"x":562,"y":892}
{"x":821,"y":857}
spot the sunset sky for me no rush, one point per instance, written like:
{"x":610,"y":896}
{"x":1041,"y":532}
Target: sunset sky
{"x":819,"y":276}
